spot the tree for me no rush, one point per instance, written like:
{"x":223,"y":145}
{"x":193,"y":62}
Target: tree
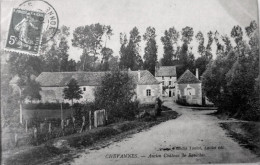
{"x":230,"y":80}
{"x":208,"y":53}
{"x":113,"y":63}
{"x":32,"y":90}
{"x":73,"y":91}
{"x":150,"y":50}
{"x":187,"y":34}
{"x":205,"y":52}
{"x":107,"y":54}
{"x":89,"y":38}
{"x":116,"y":95}
{"x":129,"y":51}
{"x":186,"y":57}
{"x":237,"y":34}
{"x":169,"y":39}
{"x":200,"y":39}
{"x":55,"y":54}
{"x":24,"y":65}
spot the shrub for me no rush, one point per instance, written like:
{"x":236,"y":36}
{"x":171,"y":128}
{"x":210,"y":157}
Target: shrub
{"x":116,"y":96}
{"x":32,"y":106}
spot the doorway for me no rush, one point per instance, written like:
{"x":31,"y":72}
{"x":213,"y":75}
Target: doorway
{"x":170,"y":93}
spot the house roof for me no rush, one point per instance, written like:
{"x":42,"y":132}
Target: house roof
{"x":165,"y":71}
{"x":188,"y":78}
{"x":56,"y":79}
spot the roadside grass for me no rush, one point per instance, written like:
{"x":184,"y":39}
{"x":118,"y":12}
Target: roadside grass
{"x":247,"y":134}
{"x":27,"y":155}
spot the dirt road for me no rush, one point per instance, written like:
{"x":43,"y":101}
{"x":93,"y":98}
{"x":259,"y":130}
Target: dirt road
{"x":194,"y":137}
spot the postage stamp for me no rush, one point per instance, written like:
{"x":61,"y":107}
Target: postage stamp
{"x":25,"y":31}
{"x":33,"y":23}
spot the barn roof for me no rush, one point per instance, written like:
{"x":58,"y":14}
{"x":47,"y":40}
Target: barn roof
{"x":56,"y":79}
{"x":188,"y":78}
{"x":165,"y":71}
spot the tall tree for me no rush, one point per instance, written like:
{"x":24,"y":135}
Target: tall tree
{"x":200,"y":38}
{"x":230,"y":80}
{"x":186,"y":57}
{"x":208,"y":53}
{"x":187,"y":34}
{"x":169,"y":39}
{"x":107,"y":54}
{"x":55,"y":53}
{"x":205,"y":52}
{"x":73,"y":91}
{"x":89,"y":38}
{"x":150,"y":50}
{"x":130,"y":57}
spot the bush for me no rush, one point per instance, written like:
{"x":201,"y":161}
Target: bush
{"x":32,"y":106}
{"x":116,"y":96}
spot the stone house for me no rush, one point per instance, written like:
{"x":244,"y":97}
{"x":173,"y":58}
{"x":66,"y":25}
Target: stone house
{"x":167,"y":76}
{"x":53,"y":84}
{"x":188,"y":87}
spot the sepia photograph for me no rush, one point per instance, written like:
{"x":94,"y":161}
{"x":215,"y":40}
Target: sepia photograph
{"x":130,"y":82}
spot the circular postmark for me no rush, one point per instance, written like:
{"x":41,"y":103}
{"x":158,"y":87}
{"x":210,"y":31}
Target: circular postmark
{"x":39,"y":25}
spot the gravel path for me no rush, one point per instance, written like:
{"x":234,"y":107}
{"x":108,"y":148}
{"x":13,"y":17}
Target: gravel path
{"x":194,"y":137}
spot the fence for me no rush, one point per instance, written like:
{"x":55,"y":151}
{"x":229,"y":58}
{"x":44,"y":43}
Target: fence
{"x":49,"y":129}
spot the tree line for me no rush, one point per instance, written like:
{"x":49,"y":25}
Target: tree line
{"x":96,"y":56}
{"x":221,"y":76}
{"x":231,"y":81}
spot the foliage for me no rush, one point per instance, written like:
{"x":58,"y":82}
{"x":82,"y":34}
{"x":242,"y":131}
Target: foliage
{"x":150,"y":51}
{"x":33,"y":106}
{"x":73,"y":91}
{"x":230,"y":81}
{"x":186,"y":60}
{"x":32,"y":90}
{"x":169,"y":39}
{"x":129,"y":51}
{"x":24,"y":65}
{"x":200,"y":39}
{"x":55,"y":53}
{"x":187,"y":34}
{"x":116,"y":96}
{"x":107,"y":54}
{"x":90,"y":38}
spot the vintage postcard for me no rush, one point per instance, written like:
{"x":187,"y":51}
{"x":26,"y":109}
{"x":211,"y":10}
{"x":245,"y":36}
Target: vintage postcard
{"x":125,"y":82}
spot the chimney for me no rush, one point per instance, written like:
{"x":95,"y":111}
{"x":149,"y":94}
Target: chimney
{"x":139,"y":75}
{"x":197,"y":73}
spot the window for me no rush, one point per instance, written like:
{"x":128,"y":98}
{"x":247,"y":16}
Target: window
{"x":148,"y":92}
{"x":163,"y":83}
{"x":162,"y":78}
{"x":84,"y":88}
{"x":170,"y":83}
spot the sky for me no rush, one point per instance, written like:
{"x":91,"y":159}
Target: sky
{"x":123,"y":15}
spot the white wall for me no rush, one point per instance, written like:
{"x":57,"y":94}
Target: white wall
{"x":166,"y":83}
{"x":142,"y":96}
{"x":55,"y":94}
